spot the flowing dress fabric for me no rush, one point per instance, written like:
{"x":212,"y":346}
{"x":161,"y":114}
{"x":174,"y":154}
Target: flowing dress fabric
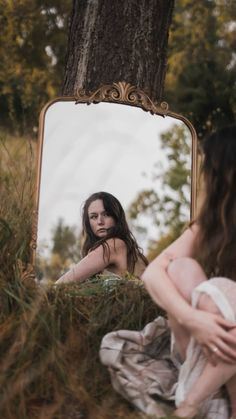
{"x":140,"y":364}
{"x":145,"y":367}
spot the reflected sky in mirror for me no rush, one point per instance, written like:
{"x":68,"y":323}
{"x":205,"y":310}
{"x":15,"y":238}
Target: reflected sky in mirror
{"x":109,"y":147}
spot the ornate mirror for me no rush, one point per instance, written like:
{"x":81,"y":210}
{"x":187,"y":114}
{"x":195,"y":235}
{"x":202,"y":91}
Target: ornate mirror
{"x":116,"y":144}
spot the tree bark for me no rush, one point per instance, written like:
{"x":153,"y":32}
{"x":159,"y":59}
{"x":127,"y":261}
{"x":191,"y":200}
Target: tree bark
{"x":118,"y":40}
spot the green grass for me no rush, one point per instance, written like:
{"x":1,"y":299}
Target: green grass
{"x":50,"y":337}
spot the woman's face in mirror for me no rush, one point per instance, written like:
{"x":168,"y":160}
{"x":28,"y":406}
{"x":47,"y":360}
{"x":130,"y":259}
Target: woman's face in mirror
{"x":100,"y":221}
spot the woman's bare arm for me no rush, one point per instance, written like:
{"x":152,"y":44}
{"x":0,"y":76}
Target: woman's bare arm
{"x":96,"y":261}
{"x":209,"y":329}
{"x":158,"y":283}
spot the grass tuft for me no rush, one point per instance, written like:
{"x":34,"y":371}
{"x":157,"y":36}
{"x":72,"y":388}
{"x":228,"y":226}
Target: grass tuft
{"x":50,"y":337}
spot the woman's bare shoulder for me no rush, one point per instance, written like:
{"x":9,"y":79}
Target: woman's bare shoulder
{"x":183,"y":246}
{"x":115,"y":244}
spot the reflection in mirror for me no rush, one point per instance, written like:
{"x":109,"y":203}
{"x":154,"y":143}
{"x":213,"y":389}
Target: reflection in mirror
{"x":114,"y":148}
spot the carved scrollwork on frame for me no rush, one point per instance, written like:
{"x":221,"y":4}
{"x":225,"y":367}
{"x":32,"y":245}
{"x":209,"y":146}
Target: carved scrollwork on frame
{"x":125,"y":93}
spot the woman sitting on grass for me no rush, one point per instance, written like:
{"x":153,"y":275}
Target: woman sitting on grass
{"x":202,"y":311}
{"x":107,"y":241}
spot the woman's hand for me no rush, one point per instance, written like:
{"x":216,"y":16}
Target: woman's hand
{"x":212,"y":332}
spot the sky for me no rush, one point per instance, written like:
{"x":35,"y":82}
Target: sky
{"x":109,"y":147}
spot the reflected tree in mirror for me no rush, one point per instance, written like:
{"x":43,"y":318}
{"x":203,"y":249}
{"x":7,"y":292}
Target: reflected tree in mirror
{"x":168,"y":208}
{"x":65,"y":249}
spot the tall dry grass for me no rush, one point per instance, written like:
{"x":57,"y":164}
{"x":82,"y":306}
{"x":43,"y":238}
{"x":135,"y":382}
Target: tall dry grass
{"x":50,"y":337}
{"x":17,"y":163}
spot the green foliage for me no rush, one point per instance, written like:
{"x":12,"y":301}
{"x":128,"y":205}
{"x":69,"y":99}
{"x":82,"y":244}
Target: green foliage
{"x":65,"y":242}
{"x":32,"y":52}
{"x":168,"y":206}
{"x":66,"y":249}
{"x":16,"y":200}
{"x":201,"y":71}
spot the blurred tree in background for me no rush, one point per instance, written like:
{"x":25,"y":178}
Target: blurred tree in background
{"x":65,"y":243}
{"x":32,"y":52}
{"x":201,"y":75}
{"x":66,"y":249}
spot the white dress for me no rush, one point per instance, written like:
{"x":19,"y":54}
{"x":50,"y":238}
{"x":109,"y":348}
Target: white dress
{"x":144,"y":366}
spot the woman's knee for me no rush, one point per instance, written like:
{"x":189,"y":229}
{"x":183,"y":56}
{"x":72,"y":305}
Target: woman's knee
{"x":186,"y":274}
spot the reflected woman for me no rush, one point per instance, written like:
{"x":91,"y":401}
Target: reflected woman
{"x":107,"y":241}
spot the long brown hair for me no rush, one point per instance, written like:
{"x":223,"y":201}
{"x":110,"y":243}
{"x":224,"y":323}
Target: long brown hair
{"x":215,"y":246}
{"x":121,"y":230}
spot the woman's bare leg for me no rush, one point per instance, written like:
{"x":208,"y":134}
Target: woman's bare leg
{"x":212,"y":377}
{"x":186,"y":274}
{"x":209,"y":382}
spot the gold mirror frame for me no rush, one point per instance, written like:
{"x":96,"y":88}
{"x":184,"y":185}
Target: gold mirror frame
{"x":120,"y":93}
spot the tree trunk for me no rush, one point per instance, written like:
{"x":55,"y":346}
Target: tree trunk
{"x":118,"y":40}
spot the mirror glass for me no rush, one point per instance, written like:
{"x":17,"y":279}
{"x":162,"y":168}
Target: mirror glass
{"x":101,"y":147}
